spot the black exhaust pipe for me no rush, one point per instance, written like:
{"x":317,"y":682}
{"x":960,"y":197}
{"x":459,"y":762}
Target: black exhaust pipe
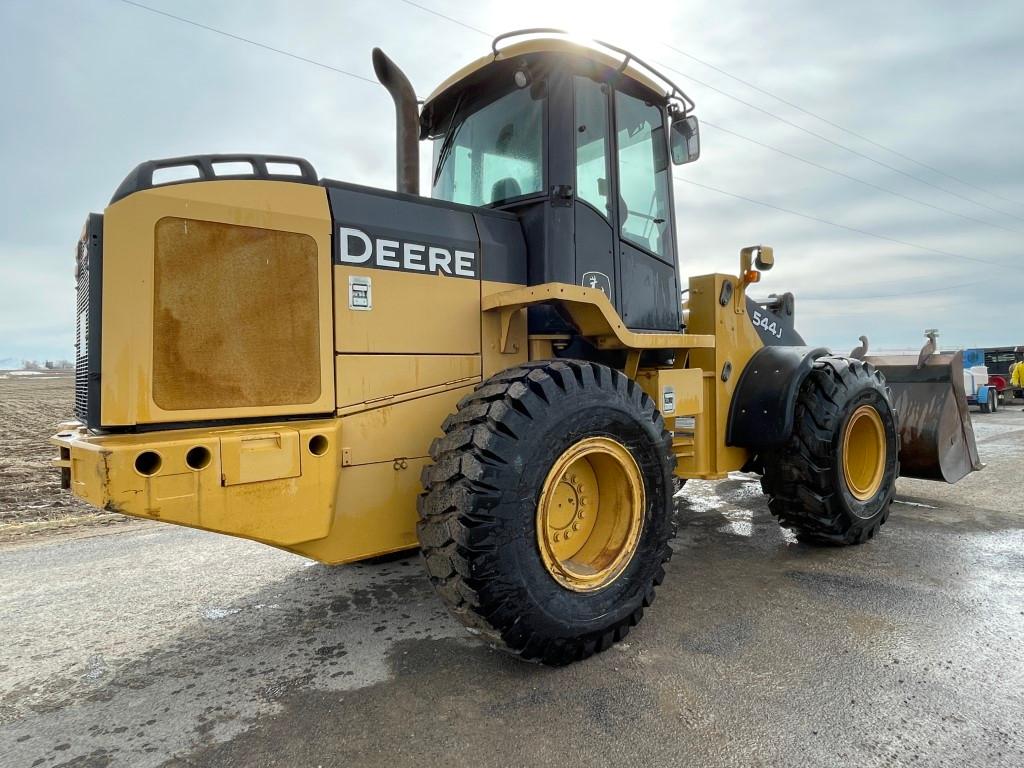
{"x":407,"y":122}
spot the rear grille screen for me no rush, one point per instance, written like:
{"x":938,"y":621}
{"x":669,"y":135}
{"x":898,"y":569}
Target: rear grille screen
{"x":89,"y":292}
{"x":82,"y":336}
{"x":235,"y":316}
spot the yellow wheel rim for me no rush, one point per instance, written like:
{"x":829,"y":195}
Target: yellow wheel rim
{"x":864,"y":452}
{"x":590,"y":515}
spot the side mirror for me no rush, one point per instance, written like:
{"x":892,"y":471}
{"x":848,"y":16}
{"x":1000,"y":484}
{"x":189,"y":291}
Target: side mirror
{"x":760,"y":257}
{"x":685,"y":140}
{"x":765,"y":258}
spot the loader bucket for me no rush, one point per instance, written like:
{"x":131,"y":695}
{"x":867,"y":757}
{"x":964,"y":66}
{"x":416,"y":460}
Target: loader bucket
{"x":936,"y":436}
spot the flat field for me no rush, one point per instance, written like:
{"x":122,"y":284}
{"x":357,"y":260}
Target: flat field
{"x":31,"y":407}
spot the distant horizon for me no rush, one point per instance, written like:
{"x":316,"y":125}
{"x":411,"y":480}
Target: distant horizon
{"x":5,"y":361}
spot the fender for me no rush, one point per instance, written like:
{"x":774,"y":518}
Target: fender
{"x":762,"y":409}
{"x":982,"y":394}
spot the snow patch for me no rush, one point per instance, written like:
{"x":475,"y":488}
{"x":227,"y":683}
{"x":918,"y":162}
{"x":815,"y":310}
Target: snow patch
{"x":219,"y":613}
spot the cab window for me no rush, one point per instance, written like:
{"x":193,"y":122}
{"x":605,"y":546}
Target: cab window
{"x":591,"y":113}
{"x":643,"y":175}
{"x":492,"y":154}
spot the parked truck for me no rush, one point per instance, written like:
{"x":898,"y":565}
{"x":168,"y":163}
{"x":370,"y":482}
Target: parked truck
{"x":1000,"y":362}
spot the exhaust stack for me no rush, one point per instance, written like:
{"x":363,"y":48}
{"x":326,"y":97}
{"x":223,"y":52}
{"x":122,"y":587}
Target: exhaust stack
{"x":407,"y":122}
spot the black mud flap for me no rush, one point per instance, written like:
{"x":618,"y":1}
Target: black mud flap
{"x":762,"y":408}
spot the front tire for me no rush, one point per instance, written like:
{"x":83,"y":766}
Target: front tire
{"x":538,"y":460}
{"x":834,"y":481}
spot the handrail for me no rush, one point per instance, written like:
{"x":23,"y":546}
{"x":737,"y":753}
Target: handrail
{"x":674,"y":92}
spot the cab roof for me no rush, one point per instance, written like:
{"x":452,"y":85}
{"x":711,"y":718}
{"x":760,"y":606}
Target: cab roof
{"x":560,"y":43}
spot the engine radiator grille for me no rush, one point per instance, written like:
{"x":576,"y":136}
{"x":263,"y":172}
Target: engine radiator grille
{"x":88,"y":273}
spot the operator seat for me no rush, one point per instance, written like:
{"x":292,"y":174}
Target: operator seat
{"x":505,"y":189}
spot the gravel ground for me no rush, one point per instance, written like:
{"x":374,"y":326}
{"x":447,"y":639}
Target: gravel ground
{"x":150,"y":645}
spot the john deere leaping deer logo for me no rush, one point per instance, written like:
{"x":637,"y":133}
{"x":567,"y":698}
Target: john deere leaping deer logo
{"x":598,"y":280}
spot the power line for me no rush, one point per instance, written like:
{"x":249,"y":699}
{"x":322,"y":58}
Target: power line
{"x":892,"y":295}
{"x":826,"y":139}
{"x":447,"y":18}
{"x":859,"y":180}
{"x":258,"y":44}
{"x":685,"y":181}
{"x":794,"y":125}
{"x":837,"y":126}
{"x":809,"y":217}
{"x":847,"y":310}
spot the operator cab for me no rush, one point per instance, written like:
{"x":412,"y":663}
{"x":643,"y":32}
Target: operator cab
{"x":577,"y":141}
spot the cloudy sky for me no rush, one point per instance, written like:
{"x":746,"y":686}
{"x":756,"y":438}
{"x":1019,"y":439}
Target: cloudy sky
{"x":92,"y":87}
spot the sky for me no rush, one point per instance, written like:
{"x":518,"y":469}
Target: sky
{"x":928,"y":236}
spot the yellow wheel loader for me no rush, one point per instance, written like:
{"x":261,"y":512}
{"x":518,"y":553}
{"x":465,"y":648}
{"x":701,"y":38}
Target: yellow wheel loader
{"x":507,"y":374}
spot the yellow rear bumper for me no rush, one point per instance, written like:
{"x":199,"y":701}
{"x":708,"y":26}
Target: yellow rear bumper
{"x":274,"y":483}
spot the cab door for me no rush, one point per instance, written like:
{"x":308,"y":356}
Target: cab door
{"x":594,"y":212}
{"x":647,"y":275}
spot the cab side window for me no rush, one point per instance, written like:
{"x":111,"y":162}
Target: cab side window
{"x":643,"y":175}
{"x":591,"y":120}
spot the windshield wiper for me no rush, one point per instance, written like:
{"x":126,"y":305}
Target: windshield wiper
{"x":449,"y":140}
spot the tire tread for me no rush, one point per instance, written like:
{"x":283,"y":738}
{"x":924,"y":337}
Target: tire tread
{"x":459,"y":492}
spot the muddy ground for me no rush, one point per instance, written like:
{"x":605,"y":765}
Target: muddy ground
{"x":31,"y":407}
{"x":154,"y":646}
{"x":144,"y":645}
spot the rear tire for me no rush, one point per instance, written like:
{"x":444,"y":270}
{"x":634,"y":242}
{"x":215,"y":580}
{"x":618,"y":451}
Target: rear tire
{"x":834,"y":480}
{"x":489,"y":488}
{"x":986,"y":407}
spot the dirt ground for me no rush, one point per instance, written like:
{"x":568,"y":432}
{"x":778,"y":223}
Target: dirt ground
{"x":31,"y":500}
{"x":142,"y":645}
{"x":156,"y":646}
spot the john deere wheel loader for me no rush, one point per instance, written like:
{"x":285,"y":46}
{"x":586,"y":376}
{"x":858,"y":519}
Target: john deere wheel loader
{"x":502,"y":374}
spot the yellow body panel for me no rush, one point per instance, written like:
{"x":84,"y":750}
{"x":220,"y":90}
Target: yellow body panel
{"x":497,"y":356}
{"x":128,"y":273}
{"x":259,"y":456}
{"x":411,"y":313}
{"x":593,"y":315}
{"x":325,"y":507}
{"x":375,"y":514}
{"x":341,"y":488}
{"x":263,"y":505}
{"x":682,"y":412}
{"x":400,"y":431}
{"x":367,"y":379}
{"x":685,"y":385}
{"x":357,"y":498}
{"x":736,"y":341}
